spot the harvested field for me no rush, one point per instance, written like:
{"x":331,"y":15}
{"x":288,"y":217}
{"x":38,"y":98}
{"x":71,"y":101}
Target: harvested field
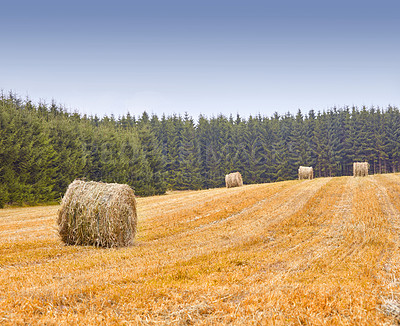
{"x":324,"y":251}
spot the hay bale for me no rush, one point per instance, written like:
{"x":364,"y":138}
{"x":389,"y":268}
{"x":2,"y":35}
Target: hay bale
{"x":360,"y":169}
{"x":306,"y":172}
{"x":233,"y":180}
{"x":98,"y":214}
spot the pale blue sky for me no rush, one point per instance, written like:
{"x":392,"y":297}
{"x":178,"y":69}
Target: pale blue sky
{"x":210,"y":57}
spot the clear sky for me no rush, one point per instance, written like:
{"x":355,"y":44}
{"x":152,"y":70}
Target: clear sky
{"x":209,"y":57}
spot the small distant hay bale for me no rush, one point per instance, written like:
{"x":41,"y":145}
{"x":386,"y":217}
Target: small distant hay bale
{"x":306,"y":172}
{"x":98,"y":214}
{"x":360,"y":169}
{"x":233,"y":180}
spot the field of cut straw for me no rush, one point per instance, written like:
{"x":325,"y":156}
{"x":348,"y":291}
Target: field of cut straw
{"x":312,"y":252}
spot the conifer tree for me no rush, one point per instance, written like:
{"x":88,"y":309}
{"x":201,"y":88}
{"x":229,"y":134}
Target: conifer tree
{"x":153,"y":155}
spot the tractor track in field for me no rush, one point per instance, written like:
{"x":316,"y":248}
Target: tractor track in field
{"x":238,"y":214}
{"x":202,"y":240}
{"x":387,"y":205}
{"x":183,"y":202}
{"x":389,"y":276}
{"x":348,"y":226}
{"x":313,"y":247}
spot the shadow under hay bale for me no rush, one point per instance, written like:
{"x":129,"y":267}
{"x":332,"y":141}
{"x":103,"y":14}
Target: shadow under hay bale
{"x":98,"y":214}
{"x":233,"y":180}
{"x":306,"y":172}
{"x":360,"y":169}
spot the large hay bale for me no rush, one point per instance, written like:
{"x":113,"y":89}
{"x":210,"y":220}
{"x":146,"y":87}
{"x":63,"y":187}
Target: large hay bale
{"x":99,"y":214}
{"x":306,"y":172}
{"x":233,"y":180}
{"x":360,"y":169}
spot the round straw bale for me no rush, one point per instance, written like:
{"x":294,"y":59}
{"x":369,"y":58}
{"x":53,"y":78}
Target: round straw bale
{"x":360,"y":169}
{"x":233,"y":180}
{"x":306,"y":172}
{"x":97,"y":213}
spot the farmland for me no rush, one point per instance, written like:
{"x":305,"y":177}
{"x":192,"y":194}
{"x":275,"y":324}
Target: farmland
{"x":310,"y":252}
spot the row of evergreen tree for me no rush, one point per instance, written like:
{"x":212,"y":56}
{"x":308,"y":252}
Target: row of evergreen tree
{"x":44,"y":147}
{"x":268,"y":149}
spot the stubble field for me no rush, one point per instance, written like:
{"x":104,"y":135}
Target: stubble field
{"x":319,"y":252}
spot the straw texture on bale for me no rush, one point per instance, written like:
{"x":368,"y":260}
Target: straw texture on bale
{"x":360,"y":169}
{"x":98,"y":214}
{"x":306,"y":172}
{"x":233,"y":180}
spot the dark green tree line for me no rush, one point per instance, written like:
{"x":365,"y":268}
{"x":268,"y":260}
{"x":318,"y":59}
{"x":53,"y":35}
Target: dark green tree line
{"x":43,"y":148}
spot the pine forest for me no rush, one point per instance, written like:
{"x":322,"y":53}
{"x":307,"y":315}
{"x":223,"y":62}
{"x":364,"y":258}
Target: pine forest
{"x":44,"y":147}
